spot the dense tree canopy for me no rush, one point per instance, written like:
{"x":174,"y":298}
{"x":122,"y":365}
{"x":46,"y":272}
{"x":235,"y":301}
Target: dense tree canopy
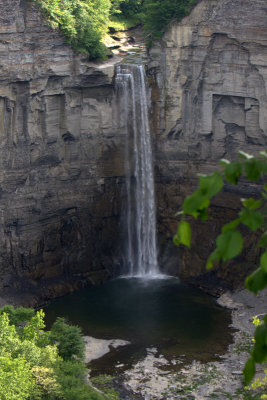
{"x":86,"y":22}
{"x":83,"y":22}
{"x":41,"y":365}
{"x":159,"y":13}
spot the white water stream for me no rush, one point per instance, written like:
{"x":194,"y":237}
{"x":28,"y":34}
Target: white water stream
{"x":133,"y":107}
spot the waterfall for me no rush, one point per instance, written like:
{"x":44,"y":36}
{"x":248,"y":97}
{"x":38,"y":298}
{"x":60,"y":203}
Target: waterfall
{"x":132,"y":102}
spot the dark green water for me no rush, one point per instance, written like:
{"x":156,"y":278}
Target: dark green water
{"x":180,"y":321}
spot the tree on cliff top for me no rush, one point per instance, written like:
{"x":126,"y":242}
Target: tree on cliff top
{"x":159,"y":13}
{"x":230,"y":242}
{"x":86,"y":22}
{"x":83,"y":22}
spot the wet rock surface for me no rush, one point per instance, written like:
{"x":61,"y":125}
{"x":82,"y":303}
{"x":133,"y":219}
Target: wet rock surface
{"x":96,"y":348}
{"x":129,"y":45}
{"x":154,"y":378}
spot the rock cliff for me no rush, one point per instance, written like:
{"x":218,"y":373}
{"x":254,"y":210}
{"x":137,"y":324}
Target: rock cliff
{"x":209,"y":79}
{"x":62,"y":155}
{"x":61,"y":160}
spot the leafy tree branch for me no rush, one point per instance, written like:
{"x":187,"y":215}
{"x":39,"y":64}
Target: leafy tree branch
{"x":229,"y":243}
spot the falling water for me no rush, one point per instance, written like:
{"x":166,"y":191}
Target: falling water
{"x":141,"y":253}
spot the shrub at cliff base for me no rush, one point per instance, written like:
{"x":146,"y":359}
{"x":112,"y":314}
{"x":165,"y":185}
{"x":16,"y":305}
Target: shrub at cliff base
{"x":37,"y":364}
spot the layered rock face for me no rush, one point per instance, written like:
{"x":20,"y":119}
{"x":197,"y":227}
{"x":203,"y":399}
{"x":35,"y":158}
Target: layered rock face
{"x":61,"y":160}
{"x":209,"y":79}
{"x":62,"y":154}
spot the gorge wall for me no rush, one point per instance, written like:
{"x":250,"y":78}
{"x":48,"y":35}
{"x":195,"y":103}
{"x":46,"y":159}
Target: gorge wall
{"x":61,"y":161}
{"x":209,"y":93}
{"x":62,"y":154}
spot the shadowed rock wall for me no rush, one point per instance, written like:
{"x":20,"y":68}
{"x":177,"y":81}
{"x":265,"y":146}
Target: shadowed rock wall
{"x":62,"y":156}
{"x":209,"y":79}
{"x":61,"y":161}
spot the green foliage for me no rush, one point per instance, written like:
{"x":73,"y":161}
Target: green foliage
{"x":31,"y":368}
{"x":86,"y":22}
{"x":68,"y":339}
{"x":230,"y":242}
{"x":83,"y":22}
{"x":47,"y":386}
{"x":16,"y":381}
{"x":125,"y":14}
{"x":71,"y":375}
{"x":260,"y":385}
{"x":130,"y":8}
{"x":17,"y":316}
{"x":154,"y":14}
{"x":184,"y":234}
{"x":104,"y":383}
{"x":33,"y":331}
{"x":159,"y":13}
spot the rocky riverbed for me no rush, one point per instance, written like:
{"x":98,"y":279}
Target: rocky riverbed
{"x":155,"y":377}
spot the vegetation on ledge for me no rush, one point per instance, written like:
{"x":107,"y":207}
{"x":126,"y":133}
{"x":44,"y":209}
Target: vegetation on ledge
{"x":85,"y":22}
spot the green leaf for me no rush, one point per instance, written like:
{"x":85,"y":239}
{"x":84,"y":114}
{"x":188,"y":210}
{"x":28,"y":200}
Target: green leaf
{"x":176,"y":240}
{"x":256,"y":281}
{"x":263,"y":240}
{"x":264,"y":166}
{"x":203,"y":214}
{"x":184,"y":233}
{"x":251,"y":203}
{"x":231,"y":225}
{"x":260,"y":348}
{"x":192,"y":204}
{"x":253,"y":169}
{"x":252,"y":219}
{"x":210,"y":185}
{"x":232,"y":172}
{"x":263,"y":262}
{"x":260,"y":354}
{"x":215,"y":255}
{"x":229,"y":244}
{"x":249,"y":370}
{"x":261,"y":335}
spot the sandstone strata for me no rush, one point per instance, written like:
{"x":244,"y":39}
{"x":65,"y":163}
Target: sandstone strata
{"x":62,"y":156}
{"x":209,"y":79}
{"x":61,"y":160}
